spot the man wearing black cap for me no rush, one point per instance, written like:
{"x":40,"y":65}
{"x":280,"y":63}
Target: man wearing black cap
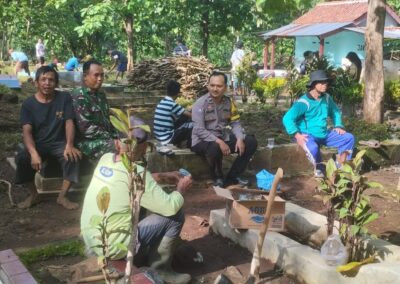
{"x":158,"y":233}
{"x":307,"y":122}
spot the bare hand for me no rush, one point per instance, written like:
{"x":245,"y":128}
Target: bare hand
{"x":72,"y":154}
{"x":239,"y":147}
{"x":224,"y":148}
{"x":36,"y":162}
{"x":301,"y":139}
{"x":340,"y":131}
{"x":184,"y":184}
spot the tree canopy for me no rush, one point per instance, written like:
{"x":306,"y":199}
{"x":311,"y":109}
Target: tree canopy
{"x":80,"y":27}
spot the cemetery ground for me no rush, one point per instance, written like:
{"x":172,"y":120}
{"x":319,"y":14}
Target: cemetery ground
{"x":54,"y":231}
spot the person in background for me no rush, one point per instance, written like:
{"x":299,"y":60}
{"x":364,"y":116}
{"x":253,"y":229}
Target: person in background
{"x":180,"y":48}
{"x":213,"y":114}
{"x":158,"y":233}
{"x":21,"y":61}
{"x":307,"y":122}
{"x":120,"y":61}
{"x":352,"y":64}
{"x":96,"y":134}
{"x":73,"y":63}
{"x":40,"y":52}
{"x":48,"y":131}
{"x":236,"y":60}
{"x":172,"y":123}
{"x":308,"y":57}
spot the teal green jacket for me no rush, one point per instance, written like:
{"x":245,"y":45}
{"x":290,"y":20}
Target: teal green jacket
{"x":310,"y":116}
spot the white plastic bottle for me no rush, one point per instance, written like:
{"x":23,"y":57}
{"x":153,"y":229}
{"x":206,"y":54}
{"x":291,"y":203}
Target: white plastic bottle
{"x":333,"y":251}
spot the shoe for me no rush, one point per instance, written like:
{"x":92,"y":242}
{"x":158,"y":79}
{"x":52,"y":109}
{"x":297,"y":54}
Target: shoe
{"x":318,"y":174}
{"x":219,"y":182}
{"x":240,"y":181}
{"x":160,"y":258}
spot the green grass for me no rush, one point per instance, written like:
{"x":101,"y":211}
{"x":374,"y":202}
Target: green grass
{"x":65,"y":248}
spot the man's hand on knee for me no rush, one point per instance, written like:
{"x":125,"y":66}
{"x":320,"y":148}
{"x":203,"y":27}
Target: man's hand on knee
{"x":224,"y":147}
{"x":72,"y":154}
{"x":339,"y":131}
{"x":301,"y":139}
{"x":36,"y":161}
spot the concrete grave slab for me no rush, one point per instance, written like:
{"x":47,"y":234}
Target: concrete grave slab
{"x":301,"y":261}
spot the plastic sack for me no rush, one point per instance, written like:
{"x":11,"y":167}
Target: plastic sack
{"x":333,"y":251}
{"x":265,"y":180}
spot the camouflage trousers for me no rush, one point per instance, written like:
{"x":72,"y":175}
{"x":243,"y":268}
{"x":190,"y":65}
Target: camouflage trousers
{"x":95,"y":148}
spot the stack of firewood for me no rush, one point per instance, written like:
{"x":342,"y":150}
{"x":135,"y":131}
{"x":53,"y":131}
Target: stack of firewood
{"x":191,"y":72}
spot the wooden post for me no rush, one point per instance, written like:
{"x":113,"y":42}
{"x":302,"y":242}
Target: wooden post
{"x":321,"y":47}
{"x":273,"y":54}
{"x":266,"y":47}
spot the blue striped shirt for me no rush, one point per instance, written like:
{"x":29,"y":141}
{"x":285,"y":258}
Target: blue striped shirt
{"x":165,"y":115}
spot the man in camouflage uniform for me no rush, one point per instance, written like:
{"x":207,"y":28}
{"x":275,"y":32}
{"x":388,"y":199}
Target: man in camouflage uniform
{"x":213,"y":114}
{"x":96,"y":135}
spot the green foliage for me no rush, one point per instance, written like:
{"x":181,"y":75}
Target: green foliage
{"x":4,"y":90}
{"x":345,"y":90}
{"x":363,"y":130}
{"x":246,"y":73}
{"x":66,"y":248}
{"x":269,"y":88}
{"x":343,"y":193}
{"x":184,"y":102}
{"x":296,"y":83}
{"x":392,"y":93}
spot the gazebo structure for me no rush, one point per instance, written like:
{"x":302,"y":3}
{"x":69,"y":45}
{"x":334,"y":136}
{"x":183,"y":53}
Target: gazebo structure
{"x":332,"y":29}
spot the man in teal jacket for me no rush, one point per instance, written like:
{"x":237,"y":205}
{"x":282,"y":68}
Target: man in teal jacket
{"x":307,"y":122}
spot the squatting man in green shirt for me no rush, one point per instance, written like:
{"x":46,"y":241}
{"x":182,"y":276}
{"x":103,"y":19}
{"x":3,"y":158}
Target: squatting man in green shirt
{"x":158,"y":233}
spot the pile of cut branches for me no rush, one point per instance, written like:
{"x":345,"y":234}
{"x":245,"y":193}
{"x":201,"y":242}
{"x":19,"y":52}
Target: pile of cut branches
{"x":191,"y":72}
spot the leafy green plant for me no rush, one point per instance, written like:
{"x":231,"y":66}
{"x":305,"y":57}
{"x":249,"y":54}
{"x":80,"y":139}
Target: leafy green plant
{"x":273,"y":87}
{"x":184,"y":102}
{"x":246,"y":73}
{"x":345,"y":90}
{"x":107,"y":225}
{"x":392,"y":93}
{"x":259,"y":87}
{"x":4,"y":90}
{"x":363,"y":130}
{"x":296,"y":83}
{"x":343,"y":194}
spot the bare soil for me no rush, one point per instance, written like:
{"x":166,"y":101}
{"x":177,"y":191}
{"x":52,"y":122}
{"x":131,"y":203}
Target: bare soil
{"x":48,"y":222}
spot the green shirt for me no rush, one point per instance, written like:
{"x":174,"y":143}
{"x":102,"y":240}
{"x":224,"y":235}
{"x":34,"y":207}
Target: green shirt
{"x":113,"y":175}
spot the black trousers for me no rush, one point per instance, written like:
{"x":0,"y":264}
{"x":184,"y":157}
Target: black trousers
{"x":183,"y":131}
{"x":25,"y":173}
{"x":214,"y":156}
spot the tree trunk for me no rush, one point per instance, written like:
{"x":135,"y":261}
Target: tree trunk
{"x":205,"y":18}
{"x":128,"y":22}
{"x":374,"y":89}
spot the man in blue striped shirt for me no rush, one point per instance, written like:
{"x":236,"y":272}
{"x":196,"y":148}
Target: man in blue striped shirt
{"x":172,"y":123}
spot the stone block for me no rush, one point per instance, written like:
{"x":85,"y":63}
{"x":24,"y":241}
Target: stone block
{"x":387,"y":154}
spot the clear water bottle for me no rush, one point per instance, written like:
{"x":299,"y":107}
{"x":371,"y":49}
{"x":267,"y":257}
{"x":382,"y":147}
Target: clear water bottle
{"x":333,"y":251}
